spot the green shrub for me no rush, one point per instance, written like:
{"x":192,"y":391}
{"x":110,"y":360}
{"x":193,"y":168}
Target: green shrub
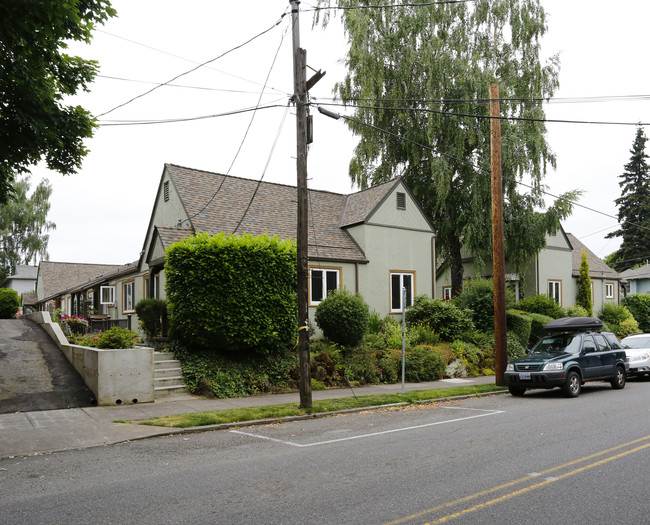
{"x":422,"y":364}
{"x":627,"y":327}
{"x":232,"y":293}
{"x":540,"y":304}
{"x":150,"y":314}
{"x":9,"y":303}
{"x":614,"y":314}
{"x":224,"y":375}
{"x":520,"y":324}
{"x":343,"y":317}
{"x":478,"y":298}
{"x":376,"y":323}
{"x":514,"y":347}
{"x":575,"y":311}
{"x":448,"y":321}
{"x":639,"y":306}
{"x":115,"y":338}
{"x":538,"y":322}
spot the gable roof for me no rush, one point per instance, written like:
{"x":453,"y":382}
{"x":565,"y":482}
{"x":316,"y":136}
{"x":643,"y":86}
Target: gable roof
{"x":218,"y":203}
{"x":57,"y":276}
{"x":24,"y":271}
{"x":597,"y":268}
{"x":639,"y":273}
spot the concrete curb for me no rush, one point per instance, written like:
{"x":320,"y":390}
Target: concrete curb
{"x":269,"y":421}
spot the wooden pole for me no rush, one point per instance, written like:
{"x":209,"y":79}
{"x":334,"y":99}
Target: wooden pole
{"x":300,"y":99}
{"x":498,"y":251}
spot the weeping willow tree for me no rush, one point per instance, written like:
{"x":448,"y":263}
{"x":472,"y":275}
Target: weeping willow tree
{"x":418,"y":78}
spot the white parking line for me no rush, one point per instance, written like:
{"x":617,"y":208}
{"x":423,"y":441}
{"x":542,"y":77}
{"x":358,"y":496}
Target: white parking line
{"x":372,"y":434}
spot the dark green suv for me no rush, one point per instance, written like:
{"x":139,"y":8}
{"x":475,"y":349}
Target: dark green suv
{"x":575,"y":351}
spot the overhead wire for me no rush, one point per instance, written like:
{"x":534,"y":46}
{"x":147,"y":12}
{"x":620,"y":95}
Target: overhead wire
{"x":489,"y":117}
{"x":242,"y":143}
{"x":183,"y":58}
{"x":476,"y":167}
{"x":197,"y":67}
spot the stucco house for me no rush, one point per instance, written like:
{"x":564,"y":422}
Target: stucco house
{"x":373,"y":241}
{"x":553,"y":272}
{"x":638,"y":280}
{"x":23,"y":279}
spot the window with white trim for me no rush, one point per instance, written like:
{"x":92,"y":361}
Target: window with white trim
{"x":399,"y":280}
{"x":322,"y":281}
{"x":555,"y":291}
{"x":107,"y":294}
{"x":127,"y":296}
{"x":446,"y":293}
{"x":609,"y":290}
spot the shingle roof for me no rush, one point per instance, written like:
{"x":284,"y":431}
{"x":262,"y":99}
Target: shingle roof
{"x":57,"y":276}
{"x":361,"y":204}
{"x":597,"y":268}
{"x":639,"y":273}
{"x":218,"y":203}
{"x":24,"y":271}
{"x":169,"y":235}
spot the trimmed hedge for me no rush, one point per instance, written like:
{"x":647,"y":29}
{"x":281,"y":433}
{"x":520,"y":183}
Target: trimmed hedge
{"x":540,"y":304}
{"x":478,"y":298}
{"x":520,"y":324}
{"x":232,"y":293}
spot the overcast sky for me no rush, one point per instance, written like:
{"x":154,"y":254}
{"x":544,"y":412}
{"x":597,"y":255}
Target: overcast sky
{"x":102,"y":213}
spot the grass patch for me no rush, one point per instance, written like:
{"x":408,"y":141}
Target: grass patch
{"x":236,"y":415}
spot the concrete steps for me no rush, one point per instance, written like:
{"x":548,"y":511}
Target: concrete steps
{"x":167,"y":375}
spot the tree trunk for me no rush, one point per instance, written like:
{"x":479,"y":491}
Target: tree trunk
{"x":456,"y":264}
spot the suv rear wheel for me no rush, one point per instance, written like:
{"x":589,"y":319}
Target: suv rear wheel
{"x":619,"y":378}
{"x":573,"y":385}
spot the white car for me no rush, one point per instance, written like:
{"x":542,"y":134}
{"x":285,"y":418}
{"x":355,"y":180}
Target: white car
{"x":637,"y":349}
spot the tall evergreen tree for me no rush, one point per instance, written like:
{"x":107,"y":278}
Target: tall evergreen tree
{"x":584,"y":286}
{"x":634,"y":208}
{"x":419,"y":78}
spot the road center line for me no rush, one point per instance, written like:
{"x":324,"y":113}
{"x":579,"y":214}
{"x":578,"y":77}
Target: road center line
{"x":372,"y":434}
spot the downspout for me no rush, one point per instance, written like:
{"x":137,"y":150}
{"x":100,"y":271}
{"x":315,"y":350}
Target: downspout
{"x":356,"y":277}
{"x":433,"y":266}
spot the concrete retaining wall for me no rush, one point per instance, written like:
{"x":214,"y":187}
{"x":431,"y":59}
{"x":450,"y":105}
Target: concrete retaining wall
{"x":115,"y":376}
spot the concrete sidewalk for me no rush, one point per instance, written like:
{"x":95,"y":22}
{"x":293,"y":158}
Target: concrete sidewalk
{"x":27,"y":433}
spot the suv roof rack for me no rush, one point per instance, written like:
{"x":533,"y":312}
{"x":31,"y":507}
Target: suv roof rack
{"x":565,"y":324}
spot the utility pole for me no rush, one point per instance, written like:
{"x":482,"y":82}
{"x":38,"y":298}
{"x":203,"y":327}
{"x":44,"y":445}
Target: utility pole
{"x":498,"y":251}
{"x":300,"y":99}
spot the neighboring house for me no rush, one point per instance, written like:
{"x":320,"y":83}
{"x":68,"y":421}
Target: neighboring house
{"x":638,"y":281}
{"x":23,"y":280}
{"x":605,"y":282}
{"x":373,"y":242}
{"x":553,"y":272}
{"x":55,"y":278}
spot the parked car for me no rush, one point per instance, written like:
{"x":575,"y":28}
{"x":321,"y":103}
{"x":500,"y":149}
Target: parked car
{"x":637,"y":349}
{"x":575,"y":351}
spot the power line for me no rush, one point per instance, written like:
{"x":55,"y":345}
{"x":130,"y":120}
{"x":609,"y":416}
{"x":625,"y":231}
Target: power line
{"x":182,"y":58}
{"x":185,"y":119}
{"x":195,"y":68}
{"x":388,"y":6}
{"x":268,"y":75}
{"x":471,"y":115}
{"x":204,"y":88}
{"x":478,"y":168}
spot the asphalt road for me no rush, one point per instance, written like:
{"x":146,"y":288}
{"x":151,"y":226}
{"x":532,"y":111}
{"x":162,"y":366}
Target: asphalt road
{"x":537,"y":459}
{"x":34,"y":373}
